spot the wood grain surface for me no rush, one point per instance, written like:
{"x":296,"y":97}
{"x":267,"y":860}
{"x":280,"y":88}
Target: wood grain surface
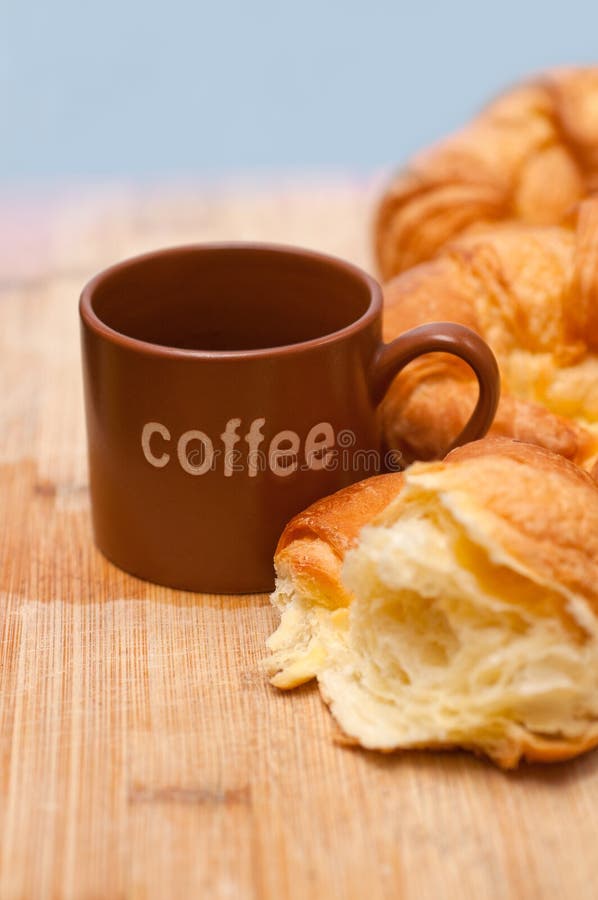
{"x":143,"y":753}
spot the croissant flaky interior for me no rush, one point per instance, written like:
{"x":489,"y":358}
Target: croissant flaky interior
{"x":529,"y":157}
{"x":464,"y":613}
{"x":533,"y":295}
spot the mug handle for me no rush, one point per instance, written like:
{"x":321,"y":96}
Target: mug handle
{"x":444,"y":337}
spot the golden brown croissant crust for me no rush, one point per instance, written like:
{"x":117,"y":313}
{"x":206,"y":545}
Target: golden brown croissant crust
{"x":529,"y":157}
{"x":532,"y":293}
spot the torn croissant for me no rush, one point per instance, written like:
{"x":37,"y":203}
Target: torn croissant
{"x":464,"y":613}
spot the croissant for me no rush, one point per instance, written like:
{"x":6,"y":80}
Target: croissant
{"x":464,"y":613}
{"x":529,"y":157}
{"x":532,"y":293}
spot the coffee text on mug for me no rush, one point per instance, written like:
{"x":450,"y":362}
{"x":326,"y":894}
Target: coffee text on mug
{"x":197,"y":453}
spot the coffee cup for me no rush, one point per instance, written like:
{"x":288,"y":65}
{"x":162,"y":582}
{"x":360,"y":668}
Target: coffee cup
{"x":227,"y":387}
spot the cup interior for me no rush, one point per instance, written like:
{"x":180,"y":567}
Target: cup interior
{"x":230,"y":298}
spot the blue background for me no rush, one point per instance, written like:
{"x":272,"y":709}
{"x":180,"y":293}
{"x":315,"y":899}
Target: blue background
{"x":125,"y":88}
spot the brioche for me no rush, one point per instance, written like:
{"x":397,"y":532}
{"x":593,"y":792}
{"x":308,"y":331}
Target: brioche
{"x":529,"y":157}
{"x":532,"y":294}
{"x":455,"y":605}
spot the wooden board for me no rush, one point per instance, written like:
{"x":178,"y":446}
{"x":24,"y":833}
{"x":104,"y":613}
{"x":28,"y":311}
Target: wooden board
{"x":142,"y":752}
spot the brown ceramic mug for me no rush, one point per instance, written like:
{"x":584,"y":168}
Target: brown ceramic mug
{"x":229,"y":386}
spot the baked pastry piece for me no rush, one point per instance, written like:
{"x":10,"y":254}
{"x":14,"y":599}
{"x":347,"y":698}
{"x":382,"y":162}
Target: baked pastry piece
{"x":529,"y":157}
{"x":532,"y":293}
{"x":308,"y":562}
{"x":464,"y":614}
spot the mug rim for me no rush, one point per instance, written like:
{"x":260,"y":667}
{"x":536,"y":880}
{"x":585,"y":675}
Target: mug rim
{"x":92,"y":321}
